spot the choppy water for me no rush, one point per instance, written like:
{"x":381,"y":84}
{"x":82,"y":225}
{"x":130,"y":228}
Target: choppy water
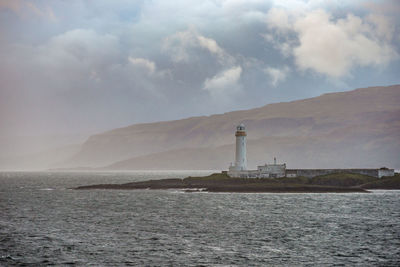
{"x":42,"y":222}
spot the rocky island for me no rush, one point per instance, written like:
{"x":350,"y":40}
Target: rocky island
{"x":271,"y":178}
{"x":221,"y":182}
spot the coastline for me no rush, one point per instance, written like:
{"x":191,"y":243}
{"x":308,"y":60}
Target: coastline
{"x":218,"y":182}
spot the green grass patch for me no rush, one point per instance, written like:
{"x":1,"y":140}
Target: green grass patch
{"x":214,"y":176}
{"x":342,"y":179}
{"x":391,"y":182}
{"x":329,"y":180}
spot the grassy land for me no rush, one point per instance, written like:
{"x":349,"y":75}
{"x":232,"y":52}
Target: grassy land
{"x":334,"y":180}
{"x":220,"y":182}
{"x":384,"y":183}
{"x":214,"y":176}
{"x":342,"y":179}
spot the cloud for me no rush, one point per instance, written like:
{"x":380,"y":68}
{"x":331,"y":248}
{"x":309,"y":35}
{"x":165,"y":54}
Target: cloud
{"x":14,"y":5}
{"x":24,"y":8}
{"x":85,"y":44}
{"x":77,"y":54}
{"x":77,"y":77}
{"x":334,"y":47}
{"x":179,"y":46}
{"x":110,"y":59}
{"x":150,"y":66}
{"x":277,"y":75}
{"x":225,"y":84}
{"x":283,"y":45}
{"x":210,"y":44}
{"x":61,"y":62}
{"x":382,"y":26}
{"x":384,"y":7}
{"x":279,"y":19}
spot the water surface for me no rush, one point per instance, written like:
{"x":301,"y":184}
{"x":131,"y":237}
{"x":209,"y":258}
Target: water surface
{"x":42,"y":222}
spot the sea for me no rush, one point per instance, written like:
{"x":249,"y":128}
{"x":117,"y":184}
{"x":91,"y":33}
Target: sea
{"x":43,"y":222}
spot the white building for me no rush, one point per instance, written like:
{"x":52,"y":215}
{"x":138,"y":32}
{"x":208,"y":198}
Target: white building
{"x":272,"y":170}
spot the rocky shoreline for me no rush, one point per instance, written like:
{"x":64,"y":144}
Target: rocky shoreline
{"x":225,"y":187}
{"x":338,"y":183}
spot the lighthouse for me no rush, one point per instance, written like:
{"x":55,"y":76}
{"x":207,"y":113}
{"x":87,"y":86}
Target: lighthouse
{"x":241,"y":158}
{"x":239,"y":169}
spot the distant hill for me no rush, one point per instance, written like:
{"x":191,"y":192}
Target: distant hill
{"x":359,"y":128}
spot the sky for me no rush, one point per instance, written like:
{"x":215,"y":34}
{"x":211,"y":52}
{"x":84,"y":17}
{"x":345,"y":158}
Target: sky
{"x":85,"y":66}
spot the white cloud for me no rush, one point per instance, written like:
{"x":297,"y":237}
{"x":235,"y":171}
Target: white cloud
{"x":383,"y":27}
{"x":278,"y":18}
{"x":284,"y":45}
{"x":76,"y":55}
{"x":84,"y":45}
{"x":91,"y":65}
{"x":277,"y":75}
{"x":180,"y":43}
{"x":150,"y":66}
{"x":304,"y":5}
{"x":234,"y":5}
{"x":385,"y":7}
{"x":244,"y":10}
{"x":225,"y":84}
{"x":210,"y":44}
{"x":333,"y":47}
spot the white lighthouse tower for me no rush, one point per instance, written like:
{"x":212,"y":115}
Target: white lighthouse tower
{"x":241,"y":158}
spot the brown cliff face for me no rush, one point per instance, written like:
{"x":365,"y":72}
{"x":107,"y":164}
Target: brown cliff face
{"x":360,"y":128}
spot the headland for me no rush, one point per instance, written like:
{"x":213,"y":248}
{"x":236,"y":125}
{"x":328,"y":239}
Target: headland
{"x":273,"y":178}
{"x":221,"y":182}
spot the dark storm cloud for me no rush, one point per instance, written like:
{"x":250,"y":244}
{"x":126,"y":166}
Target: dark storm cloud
{"x":92,"y":65}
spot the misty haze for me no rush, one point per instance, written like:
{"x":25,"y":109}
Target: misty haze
{"x":171,"y":132}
